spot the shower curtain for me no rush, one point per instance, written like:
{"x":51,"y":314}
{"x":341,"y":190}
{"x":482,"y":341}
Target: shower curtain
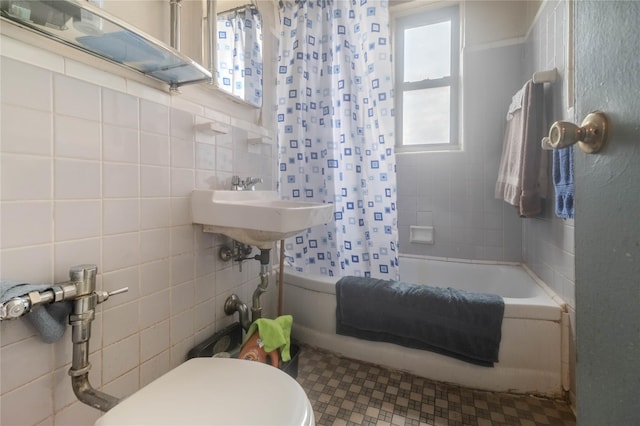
{"x":336,"y":134}
{"x":239,"y":53}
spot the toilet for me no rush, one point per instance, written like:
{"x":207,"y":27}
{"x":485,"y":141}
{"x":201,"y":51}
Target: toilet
{"x":216,"y":391}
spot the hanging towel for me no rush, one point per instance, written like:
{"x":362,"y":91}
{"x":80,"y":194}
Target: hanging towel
{"x":274,"y":334}
{"x":520,"y":181}
{"x":563,"y":181}
{"x":50,"y":320}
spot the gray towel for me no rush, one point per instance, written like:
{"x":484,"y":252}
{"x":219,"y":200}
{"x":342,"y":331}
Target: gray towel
{"x":460,"y":324}
{"x":50,"y":320}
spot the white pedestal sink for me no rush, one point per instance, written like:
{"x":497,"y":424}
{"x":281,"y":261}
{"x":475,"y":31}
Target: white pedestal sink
{"x":257,"y":218}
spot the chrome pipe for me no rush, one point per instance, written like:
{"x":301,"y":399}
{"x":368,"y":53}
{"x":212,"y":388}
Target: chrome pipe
{"x":256,"y":308}
{"x":175,"y":6}
{"x":211,"y":39}
{"x":84,"y":278}
{"x":234,"y":304}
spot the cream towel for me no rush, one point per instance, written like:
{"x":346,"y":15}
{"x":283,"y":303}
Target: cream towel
{"x":519,"y":178}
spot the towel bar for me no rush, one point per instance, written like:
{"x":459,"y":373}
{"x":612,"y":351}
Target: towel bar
{"x":591,"y":136}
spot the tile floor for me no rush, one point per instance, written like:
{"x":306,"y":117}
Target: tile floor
{"x":348,"y":392}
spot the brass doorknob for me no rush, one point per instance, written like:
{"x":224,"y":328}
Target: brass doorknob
{"x":591,"y":136}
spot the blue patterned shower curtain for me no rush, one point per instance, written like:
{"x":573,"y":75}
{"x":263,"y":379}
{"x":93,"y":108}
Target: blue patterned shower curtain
{"x":336,"y":134}
{"x":239,"y":53}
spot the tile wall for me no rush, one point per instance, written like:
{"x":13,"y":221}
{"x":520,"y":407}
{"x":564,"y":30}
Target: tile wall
{"x":93,"y":174}
{"x":549,"y":246}
{"x":454,"y":191}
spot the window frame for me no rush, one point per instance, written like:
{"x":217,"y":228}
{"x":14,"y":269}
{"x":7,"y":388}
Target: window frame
{"x":429,"y":17}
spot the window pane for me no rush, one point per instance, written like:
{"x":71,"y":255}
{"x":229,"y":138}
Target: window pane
{"x":425,"y":116}
{"x":427,"y":52}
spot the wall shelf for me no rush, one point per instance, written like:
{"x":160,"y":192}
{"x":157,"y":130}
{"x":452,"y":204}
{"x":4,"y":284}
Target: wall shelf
{"x":90,"y":29}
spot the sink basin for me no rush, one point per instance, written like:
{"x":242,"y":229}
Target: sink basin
{"x":257,"y":218}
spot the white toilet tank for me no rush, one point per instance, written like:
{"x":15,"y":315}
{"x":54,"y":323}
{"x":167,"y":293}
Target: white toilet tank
{"x":216,"y":391}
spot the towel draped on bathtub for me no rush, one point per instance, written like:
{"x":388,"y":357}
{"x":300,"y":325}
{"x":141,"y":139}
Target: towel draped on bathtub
{"x":452,"y":322}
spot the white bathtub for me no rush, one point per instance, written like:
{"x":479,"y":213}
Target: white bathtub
{"x":531,"y":355}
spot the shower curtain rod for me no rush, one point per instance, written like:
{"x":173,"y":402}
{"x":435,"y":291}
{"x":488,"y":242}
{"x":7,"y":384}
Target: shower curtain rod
{"x":235,"y":9}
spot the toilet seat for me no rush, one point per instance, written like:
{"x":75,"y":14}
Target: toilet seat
{"x":216,"y":391}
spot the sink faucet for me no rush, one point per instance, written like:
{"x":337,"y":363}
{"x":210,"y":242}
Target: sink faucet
{"x":249,"y":184}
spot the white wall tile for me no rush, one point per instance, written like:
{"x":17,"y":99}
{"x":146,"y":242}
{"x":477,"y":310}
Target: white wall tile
{"x":182,"y":297}
{"x":119,"y":322}
{"x":119,"y":358}
{"x":37,"y":94}
{"x":155,"y":181}
{"x":76,"y":138}
{"x":120,"y":180}
{"x":116,"y":280}
{"x":29,"y":404}
{"x":26,"y":131}
{"x":182,"y":268}
{"x":125,"y":385}
{"x":181,"y":240}
{"x":205,"y":156}
{"x":180,"y":350}
{"x":182,"y":182}
{"x":119,"y":109}
{"x":154,"y":340}
{"x":77,"y":219}
{"x":182,"y":153}
{"x":77,"y":414}
{"x":120,"y":251}
{"x":154,"y":117}
{"x":182,"y":125}
{"x":26,"y":177}
{"x":75,"y":179}
{"x":154,"y":244}
{"x":72,"y":253}
{"x":205,"y":287}
{"x":155,"y":213}
{"x":119,"y":144}
{"x":206,"y":260}
{"x":154,"y":277}
{"x":154,"y":149}
{"x":94,"y":75}
{"x":19,"y":264}
{"x":154,"y":308}
{"x":76,"y":98}
{"x":204,"y":314}
{"x":154,"y":368}
{"x":181,"y":326}
{"x":181,"y":211}
{"x":224,"y":159}
{"x":23,"y":362}
{"x":120,"y":215}
{"x":26,"y":223}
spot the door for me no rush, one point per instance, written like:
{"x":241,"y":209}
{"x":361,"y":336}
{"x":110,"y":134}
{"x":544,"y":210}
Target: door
{"x":607,"y":218}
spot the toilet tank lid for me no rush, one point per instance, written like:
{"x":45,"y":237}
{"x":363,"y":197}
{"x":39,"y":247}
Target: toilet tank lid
{"x":215,"y":391}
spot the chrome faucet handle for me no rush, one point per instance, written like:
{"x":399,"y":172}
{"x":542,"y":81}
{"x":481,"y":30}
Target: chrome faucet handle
{"x":104,"y":295}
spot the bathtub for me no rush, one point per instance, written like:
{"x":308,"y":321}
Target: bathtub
{"x":532,"y":358}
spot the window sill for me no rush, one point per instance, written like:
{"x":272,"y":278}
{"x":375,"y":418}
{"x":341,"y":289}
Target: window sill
{"x":420,"y":149}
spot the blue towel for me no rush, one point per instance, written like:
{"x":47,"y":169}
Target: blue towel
{"x":563,"y":182}
{"x":463,"y":325}
{"x":50,"y":320}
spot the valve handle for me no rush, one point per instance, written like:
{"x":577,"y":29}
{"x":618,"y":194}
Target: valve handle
{"x":103,"y":295}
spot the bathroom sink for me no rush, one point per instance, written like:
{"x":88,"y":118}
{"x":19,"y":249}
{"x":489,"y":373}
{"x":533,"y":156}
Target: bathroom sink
{"x":256,"y":218}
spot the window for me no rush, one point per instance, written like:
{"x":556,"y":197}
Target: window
{"x":427,"y":64}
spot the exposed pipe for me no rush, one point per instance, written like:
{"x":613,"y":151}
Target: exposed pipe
{"x":256,"y":309}
{"x":211,"y":39}
{"x":175,"y":6}
{"x":234,"y":304}
{"x":80,"y":319}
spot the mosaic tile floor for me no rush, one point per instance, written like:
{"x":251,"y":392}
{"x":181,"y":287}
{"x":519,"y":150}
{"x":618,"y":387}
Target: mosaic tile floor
{"x":348,"y":392}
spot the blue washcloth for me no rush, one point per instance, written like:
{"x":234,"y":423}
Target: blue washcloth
{"x":50,"y":320}
{"x":563,"y":181}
